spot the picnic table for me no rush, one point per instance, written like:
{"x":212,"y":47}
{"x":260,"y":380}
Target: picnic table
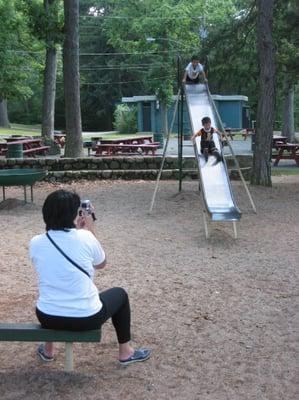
{"x":8,"y":139}
{"x":31,"y":147}
{"x":115,"y":149}
{"x":278,"y":139}
{"x":129,"y":140}
{"x":91,"y":144}
{"x":3,"y":146}
{"x":289,"y":151}
{"x":248,"y":132}
{"x":17,"y":138}
{"x":126,"y":145}
{"x":231,"y":132}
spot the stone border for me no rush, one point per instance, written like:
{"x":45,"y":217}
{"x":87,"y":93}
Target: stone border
{"x":92,"y":168}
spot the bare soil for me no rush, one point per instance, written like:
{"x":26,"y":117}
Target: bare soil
{"x":220,"y":314}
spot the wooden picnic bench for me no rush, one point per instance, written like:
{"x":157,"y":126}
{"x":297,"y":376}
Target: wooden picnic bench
{"x":129,"y":140}
{"x":245,"y":132}
{"x":35,"y":333}
{"x":31,"y":147}
{"x":114,"y":149}
{"x":16,"y":138}
{"x":248,"y":132}
{"x":229,"y":133}
{"x":91,"y":144}
{"x":286,"y":151}
{"x":3,"y":147}
{"x":128,"y":145}
{"x":37,"y":150}
{"x":110,"y":149}
{"x":277,"y":139}
{"x":150,"y":147}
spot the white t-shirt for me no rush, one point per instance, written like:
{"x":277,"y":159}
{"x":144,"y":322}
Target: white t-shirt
{"x":194,"y":72}
{"x":64,"y":290}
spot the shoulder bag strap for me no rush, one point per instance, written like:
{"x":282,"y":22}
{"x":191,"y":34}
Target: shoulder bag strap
{"x":67,"y":257}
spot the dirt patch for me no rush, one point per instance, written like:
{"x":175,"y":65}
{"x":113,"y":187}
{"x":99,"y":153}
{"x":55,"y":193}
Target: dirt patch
{"x":12,"y":204}
{"x":220,"y":314}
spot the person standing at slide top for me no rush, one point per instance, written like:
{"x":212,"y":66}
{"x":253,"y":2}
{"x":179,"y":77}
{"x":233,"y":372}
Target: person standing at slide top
{"x":194,"y":72}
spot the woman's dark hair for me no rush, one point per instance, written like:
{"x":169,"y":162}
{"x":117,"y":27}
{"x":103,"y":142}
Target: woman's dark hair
{"x":60,"y":209}
{"x":194,"y":58}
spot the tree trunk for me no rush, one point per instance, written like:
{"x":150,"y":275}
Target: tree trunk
{"x":49,"y":92}
{"x":73,"y":147}
{"x":4,"y":121}
{"x":288,"y":124}
{"x":49,"y":88}
{"x":261,"y":174}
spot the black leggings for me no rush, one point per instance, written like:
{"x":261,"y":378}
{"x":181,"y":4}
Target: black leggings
{"x":115,"y":305}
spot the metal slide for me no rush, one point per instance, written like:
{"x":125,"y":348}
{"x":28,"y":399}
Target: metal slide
{"x":215,"y":183}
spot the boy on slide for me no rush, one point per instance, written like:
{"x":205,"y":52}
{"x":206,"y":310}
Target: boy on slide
{"x":207,"y":145}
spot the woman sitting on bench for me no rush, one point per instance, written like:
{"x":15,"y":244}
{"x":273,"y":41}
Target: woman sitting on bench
{"x":65,"y":258}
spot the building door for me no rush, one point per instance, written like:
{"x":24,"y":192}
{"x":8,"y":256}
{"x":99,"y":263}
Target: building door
{"x":245,"y":118}
{"x":146,"y":116}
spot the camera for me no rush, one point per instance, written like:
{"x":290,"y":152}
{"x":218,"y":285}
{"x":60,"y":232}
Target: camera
{"x":87,"y":208}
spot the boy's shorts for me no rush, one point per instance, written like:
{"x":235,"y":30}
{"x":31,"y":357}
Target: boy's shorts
{"x":207,"y":144}
{"x":189,"y":80}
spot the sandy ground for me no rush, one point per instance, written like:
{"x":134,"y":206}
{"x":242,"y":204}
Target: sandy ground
{"x":220,"y":314}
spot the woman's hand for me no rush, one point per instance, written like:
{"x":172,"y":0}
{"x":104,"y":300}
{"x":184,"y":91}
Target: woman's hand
{"x":85,"y":221}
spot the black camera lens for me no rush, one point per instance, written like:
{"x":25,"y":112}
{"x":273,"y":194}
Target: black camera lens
{"x":85,"y":204}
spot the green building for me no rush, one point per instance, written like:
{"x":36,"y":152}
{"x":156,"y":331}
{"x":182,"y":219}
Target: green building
{"x":233,"y":110}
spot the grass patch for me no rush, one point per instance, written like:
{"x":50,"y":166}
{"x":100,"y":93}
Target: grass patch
{"x":35,"y":130}
{"x":19,"y":131}
{"x":237,"y":136}
{"x":115,"y":135}
{"x":276,"y":171}
{"x":26,"y":127}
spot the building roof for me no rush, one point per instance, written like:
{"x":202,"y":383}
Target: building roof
{"x":136,"y":99}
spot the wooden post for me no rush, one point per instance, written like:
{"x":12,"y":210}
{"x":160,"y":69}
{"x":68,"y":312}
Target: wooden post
{"x":205,"y":224}
{"x":25,"y":194}
{"x":164,"y":155}
{"x":235,"y":230}
{"x":69,"y":359}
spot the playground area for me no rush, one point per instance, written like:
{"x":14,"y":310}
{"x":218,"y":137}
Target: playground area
{"x":219,"y":314}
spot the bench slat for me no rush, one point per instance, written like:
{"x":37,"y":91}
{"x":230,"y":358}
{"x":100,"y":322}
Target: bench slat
{"x":35,"y":333}
{"x":36,"y":149}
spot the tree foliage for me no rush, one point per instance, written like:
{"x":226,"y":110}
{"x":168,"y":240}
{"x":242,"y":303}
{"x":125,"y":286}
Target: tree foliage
{"x":125,"y":118}
{"x":45,"y":22}
{"x":17,"y":64}
{"x":158,"y":21}
{"x":116,"y":60}
{"x":287,"y":38}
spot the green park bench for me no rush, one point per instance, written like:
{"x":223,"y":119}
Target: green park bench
{"x":19,"y":332}
{"x":21,"y":177}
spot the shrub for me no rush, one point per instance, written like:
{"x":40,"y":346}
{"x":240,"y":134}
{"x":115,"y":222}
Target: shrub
{"x":125,"y":118}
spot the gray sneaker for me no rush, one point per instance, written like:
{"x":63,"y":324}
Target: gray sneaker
{"x":42,"y":354}
{"x":138,"y":356}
